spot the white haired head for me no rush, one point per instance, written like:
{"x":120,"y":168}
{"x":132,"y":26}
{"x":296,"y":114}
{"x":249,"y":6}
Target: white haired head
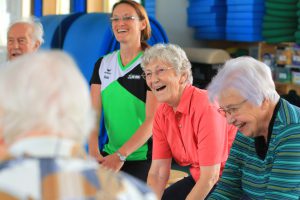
{"x":250,"y":77}
{"x":38,"y":31}
{"x":169,"y":53}
{"x":45,"y":91}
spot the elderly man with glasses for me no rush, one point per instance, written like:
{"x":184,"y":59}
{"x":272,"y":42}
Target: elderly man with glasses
{"x":264,"y":161}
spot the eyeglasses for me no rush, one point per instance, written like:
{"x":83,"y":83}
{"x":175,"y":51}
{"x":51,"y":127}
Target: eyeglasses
{"x":232,"y":110}
{"x":158,"y":72}
{"x":123,"y":18}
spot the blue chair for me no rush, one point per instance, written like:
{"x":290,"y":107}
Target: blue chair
{"x":55,"y":28}
{"x":88,"y":38}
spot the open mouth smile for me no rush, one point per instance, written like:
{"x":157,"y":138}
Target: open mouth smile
{"x":160,"y":88}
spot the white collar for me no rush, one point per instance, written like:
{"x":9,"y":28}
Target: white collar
{"x":45,"y":146}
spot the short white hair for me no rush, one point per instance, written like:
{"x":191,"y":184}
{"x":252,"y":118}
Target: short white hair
{"x":45,"y":91}
{"x":38,"y":30}
{"x":169,"y":53}
{"x":250,"y":77}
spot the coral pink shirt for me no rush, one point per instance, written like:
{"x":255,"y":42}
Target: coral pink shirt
{"x":196,"y":134}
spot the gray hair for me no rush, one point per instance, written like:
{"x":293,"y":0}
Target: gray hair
{"x":38,"y":31}
{"x":250,"y":77}
{"x":169,"y":53}
{"x":45,"y":91}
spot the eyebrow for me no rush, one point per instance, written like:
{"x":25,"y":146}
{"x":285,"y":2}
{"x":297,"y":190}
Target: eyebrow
{"x":230,"y":105}
{"x":126,"y":14}
{"x":233,"y":105}
{"x":156,"y":67}
{"x":10,"y":37}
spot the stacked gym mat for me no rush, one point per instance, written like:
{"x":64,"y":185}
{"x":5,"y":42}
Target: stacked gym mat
{"x":235,"y":20}
{"x":280,"y":21}
{"x":244,"y":20}
{"x":208,"y":17}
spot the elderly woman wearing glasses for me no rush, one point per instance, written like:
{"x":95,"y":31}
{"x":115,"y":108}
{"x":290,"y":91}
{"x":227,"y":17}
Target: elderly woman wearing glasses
{"x":264,"y":161}
{"x":186,"y":127}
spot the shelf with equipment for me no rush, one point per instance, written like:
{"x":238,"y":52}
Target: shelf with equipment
{"x":283,"y":58}
{"x":284,"y":88}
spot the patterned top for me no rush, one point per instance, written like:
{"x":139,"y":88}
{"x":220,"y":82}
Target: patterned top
{"x":277,"y":175}
{"x":54,"y":168}
{"x":123,"y":98}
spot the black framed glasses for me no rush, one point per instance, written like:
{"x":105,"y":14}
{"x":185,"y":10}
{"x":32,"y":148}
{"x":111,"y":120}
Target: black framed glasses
{"x":233,"y":109}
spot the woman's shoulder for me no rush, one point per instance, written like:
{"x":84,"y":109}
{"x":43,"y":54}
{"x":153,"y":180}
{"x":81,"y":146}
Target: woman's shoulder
{"x":200,"y":97}
{"x":108,"y":58}
{"x":111,"y":55}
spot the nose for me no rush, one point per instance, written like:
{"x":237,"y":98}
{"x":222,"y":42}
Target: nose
{"x":15,"y":44}
{"x":120,"y":21}
{"x":154,"y":78}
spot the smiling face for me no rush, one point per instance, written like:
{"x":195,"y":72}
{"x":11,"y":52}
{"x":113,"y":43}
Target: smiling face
{"x":20,"y":40}
{"x":128,"y":28}
{"x":165,"y":83}
{"x":251,"y":120}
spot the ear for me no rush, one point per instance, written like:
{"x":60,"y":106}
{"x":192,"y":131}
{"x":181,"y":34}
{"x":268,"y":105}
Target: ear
{"x":265,"y":104}
{"x":37,"y":44}
{"x":143,"y":24}
{"x":183,"y":78}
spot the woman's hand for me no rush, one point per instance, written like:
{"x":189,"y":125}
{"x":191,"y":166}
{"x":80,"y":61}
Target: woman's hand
{"x":99,"y":158}
{"x":112,"y":162}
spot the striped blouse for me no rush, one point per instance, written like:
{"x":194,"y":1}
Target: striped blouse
{"x":277,"y":176}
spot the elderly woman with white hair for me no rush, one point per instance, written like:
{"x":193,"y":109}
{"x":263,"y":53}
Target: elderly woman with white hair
{"x":264,"y":162}
{"x":46,"y":117}
{"x":186,"y":127}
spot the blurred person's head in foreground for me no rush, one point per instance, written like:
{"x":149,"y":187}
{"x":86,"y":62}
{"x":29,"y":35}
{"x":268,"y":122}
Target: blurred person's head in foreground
{"x":46,"y":117}
{"x":45,"y":94}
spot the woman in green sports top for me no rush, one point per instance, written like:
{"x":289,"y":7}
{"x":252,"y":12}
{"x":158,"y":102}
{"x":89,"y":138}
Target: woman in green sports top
{"x":118,"y":89}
